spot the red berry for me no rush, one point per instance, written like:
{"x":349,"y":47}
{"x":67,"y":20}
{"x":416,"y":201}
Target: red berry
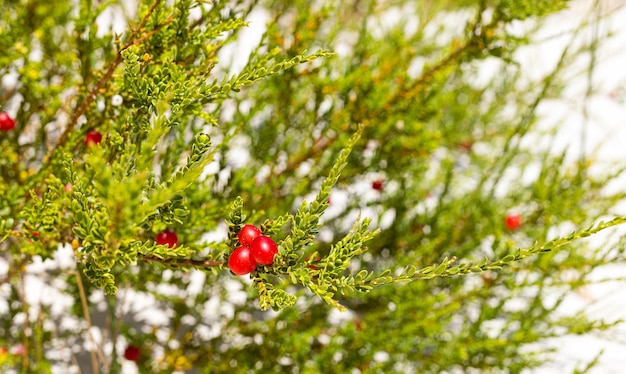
{"x":132,"y":353}
{"x":513,"y":221}
{"x":241,"y":261}
{"x":6,"y":122}
{"x":93,"y":138}
{"x":247,"y":234}
{"x":378,"y":185}
{"x":167,"y":237}
{"x":263,"y":250}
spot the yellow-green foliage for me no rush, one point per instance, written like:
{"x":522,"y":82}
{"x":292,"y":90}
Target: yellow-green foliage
{"x":332,"y":98}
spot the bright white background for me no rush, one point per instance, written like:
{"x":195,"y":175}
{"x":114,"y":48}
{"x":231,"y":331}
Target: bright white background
{"x":604,"y":125}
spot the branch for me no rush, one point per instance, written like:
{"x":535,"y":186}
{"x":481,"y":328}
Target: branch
{"x":134,"y":39}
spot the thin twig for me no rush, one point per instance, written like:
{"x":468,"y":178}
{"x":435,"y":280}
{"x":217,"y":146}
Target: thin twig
{"x":593,"y":55}
{"x":183,"y":262}
{"x":16,"y":269}
{"x":26,"y":327}
{"x":83,"y":301}
{"x":319,"y":146}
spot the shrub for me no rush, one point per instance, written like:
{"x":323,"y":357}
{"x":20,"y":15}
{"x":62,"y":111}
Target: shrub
{"x":400,"y":188}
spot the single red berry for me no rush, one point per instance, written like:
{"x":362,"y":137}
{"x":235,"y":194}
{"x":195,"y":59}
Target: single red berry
{"x":6,"y":122}
{"x":263,"y":250}
{"x":241,"y":261}
{"x":93,"y":138}
{"x":248,"y":233}
{"x":513,"y":221}
{"x":132,"y":353}
{"x":167,"y":237}
{"x":378,"y":185}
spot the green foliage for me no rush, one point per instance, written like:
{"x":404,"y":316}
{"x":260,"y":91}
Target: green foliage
{"x":521,"y":10}
{"x":428,"y":276}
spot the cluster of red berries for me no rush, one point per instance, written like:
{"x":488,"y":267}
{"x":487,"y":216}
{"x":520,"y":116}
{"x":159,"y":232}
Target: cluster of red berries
{"x":6,"y":122}
{"x":256,"y":249}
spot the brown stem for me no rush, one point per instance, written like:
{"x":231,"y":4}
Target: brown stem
{"x":26,"y":326}
{"x":318,"y":146}
{"x":95,"y":367}
{"x":183,"y":262}
{"x":16,"y":269}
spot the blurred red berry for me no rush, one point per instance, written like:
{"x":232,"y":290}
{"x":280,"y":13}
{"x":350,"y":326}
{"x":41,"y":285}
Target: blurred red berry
{"x":513,"y":221}
{"x":378,"y":185}
{"x":132,"y":353}
{"x":93,"y":138}
{"x":6,"y":122}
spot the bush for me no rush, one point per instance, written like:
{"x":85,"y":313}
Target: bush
{"x":423,"y":224}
